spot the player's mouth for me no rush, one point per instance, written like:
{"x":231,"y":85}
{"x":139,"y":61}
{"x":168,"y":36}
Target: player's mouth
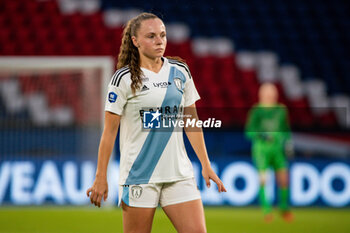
{"x":160,"y":50}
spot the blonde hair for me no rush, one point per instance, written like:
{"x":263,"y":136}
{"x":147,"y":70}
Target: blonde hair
{"x":129,"y":54}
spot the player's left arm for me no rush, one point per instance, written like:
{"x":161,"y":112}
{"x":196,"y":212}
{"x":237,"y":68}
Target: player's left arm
{"x":285,"y":124}
{"x":286,"y":132}
{"x":196,"y":138}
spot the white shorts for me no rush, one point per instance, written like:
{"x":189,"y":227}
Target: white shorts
{"x":150,"y":195}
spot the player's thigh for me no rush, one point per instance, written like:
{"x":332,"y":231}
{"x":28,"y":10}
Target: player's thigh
{"x":181,"y":201}
{"x":139,"y":203}
{"x":187,"y":217}
{"x":137,"y":219}
{"x":260,"y":160}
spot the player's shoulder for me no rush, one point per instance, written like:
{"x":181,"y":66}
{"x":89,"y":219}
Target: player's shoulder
{"x":180,"y":64}
{"x":121,"y":74}
{"x":282,"y":106}
{"x":259,"y":108}
{"x":253,"y":109}
{"x":256,"y":106}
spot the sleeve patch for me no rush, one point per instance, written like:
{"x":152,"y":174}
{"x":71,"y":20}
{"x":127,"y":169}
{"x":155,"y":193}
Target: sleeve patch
{"x":112,"y":97}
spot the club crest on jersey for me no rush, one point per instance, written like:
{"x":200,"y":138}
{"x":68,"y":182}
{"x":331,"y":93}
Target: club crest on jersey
{"x":112,"y":97}
{"x":179,"y":84}
{"x":136,"y":191}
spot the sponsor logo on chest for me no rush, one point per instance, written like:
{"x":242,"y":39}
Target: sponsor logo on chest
{"x":161,"y":84}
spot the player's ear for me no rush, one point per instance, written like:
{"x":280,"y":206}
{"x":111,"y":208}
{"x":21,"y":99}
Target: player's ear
{"x":134,"y":41}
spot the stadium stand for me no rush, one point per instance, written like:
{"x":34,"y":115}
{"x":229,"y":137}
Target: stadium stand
{"x":230,"y":46}
{"x":69,"y":27}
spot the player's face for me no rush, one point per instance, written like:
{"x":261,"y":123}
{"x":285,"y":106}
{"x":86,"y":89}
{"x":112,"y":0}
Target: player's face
{"x":151,"y":38}
{"x":268,"y":94}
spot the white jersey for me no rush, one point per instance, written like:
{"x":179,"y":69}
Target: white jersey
{"x":151,"y":156}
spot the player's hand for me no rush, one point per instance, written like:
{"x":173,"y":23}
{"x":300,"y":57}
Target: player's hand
{"x":266,"y":137}
{"x":208,"y":174}
{"x":98,"y":191}
{"x":289,"y":149}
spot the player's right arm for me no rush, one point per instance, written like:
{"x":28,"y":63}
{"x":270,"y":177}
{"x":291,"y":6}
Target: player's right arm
{"x":116,"y":99}
{"x":251,"y":127}
{"x":99,"y":189}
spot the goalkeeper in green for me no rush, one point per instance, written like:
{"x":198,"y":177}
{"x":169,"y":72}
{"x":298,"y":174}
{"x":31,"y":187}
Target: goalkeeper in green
{"x":268,"y":129}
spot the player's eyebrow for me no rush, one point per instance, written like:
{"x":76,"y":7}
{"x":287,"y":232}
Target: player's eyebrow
{"x":154,"y":33}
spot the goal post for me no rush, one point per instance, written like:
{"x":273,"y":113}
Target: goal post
{"x":52,"y":106}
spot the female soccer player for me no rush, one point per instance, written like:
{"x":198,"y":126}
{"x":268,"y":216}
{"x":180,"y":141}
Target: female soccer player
{"x":268,"y":128}
{"x":154,"y":167}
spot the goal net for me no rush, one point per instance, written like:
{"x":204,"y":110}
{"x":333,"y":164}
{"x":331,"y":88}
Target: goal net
{"x":52,"y":107}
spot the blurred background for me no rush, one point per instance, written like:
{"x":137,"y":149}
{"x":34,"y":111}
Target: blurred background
{"x":57,"y":57}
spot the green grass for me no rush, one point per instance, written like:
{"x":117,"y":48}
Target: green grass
{"x":219,"y":220}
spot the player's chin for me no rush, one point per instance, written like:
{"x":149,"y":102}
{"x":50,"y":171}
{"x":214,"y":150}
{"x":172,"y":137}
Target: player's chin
{"x":159,"y":52}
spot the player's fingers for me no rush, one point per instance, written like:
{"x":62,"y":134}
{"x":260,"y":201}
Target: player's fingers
{"x":95,"y":200}
{"x":105,"y":196}
{"x":222,"y":187}
{"x":98,"y":200}
{"x":207,"y":181}
{"x":93,"y":197}
{"x":88,"y":192}
{"x":218,"y":183}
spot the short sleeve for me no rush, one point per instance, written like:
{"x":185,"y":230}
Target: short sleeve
{"x":191,"y":94}
{"x":116,"y":98}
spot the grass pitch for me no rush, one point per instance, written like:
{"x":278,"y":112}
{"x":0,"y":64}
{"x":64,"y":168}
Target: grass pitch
{"x":46,"y":219}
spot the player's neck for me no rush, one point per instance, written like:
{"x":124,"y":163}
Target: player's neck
{"x":152,"y":64}
{"x":267,"y":104}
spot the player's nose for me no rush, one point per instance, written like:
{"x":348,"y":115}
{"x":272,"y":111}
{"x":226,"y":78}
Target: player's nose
{"x":159,"y":40}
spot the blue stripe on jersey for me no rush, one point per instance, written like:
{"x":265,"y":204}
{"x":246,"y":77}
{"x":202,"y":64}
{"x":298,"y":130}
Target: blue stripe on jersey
{"x":125,"y":195}
{"x":156,"y":141}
